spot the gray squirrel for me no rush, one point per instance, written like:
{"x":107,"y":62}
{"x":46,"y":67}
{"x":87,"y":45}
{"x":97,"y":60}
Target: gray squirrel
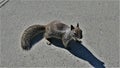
{"x":54,"y":29}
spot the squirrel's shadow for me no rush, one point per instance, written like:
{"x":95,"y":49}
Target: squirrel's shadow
{"x":77,"y":49}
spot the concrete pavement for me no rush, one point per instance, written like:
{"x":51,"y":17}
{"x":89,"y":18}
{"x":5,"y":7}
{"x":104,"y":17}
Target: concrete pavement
{"x":99,"y":21}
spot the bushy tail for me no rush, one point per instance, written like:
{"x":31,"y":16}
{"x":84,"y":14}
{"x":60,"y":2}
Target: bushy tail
{"x":29,"y":34}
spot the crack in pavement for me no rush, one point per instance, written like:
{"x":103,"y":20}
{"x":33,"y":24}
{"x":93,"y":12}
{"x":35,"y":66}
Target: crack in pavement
{"x":3,"y":2}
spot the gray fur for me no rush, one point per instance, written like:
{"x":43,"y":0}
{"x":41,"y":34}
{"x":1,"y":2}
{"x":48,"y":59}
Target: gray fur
{"x":55,"y":29}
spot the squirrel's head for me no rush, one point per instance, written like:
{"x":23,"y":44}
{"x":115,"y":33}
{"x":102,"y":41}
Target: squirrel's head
{"x":76,"y":32}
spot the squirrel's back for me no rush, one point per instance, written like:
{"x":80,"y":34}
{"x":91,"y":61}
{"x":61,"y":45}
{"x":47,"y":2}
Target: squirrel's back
{"x":56,"y":29}
{"x":58,"y":25}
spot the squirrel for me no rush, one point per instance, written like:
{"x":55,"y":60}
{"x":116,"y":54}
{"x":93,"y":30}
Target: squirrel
{"x":54,"y":29}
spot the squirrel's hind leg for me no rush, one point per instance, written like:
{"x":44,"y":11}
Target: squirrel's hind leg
{"x":48,"y":39}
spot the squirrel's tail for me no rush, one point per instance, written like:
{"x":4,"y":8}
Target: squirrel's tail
{"x":29,"y":34}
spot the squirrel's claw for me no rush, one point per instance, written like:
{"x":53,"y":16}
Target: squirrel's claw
{"x":49,"y":43}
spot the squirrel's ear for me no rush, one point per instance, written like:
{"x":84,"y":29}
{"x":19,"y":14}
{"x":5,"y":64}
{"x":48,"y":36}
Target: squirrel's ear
{"x":72,"y":27}
{"x":77,"y":24}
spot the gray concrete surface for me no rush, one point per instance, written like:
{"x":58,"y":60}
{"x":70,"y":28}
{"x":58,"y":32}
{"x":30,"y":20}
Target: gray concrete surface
{"x":99,"y":21}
